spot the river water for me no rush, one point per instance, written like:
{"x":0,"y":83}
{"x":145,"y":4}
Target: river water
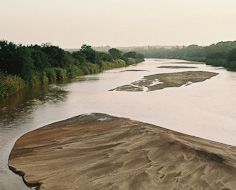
{"x":206,"y":109}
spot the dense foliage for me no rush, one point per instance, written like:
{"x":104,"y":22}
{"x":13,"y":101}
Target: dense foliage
{"x":22,"y":66}
{"x":220,"y":54}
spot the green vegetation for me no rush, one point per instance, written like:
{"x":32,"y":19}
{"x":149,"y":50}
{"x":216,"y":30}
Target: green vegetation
{"x":9,"y":84}
{"x":28,"y":66}
{"x":220,"y":54}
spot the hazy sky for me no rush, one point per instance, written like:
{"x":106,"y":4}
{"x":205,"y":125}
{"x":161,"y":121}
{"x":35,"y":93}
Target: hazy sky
{"x":70,"y":23}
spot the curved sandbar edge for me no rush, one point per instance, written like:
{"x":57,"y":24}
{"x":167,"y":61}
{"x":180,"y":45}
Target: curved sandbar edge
{"x":99,"y":151}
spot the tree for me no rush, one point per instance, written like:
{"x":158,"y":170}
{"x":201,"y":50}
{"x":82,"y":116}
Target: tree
{"x":57,"y":56}
{"x":232,"y":55}
{"x":130,"y":54}
{"x":40,"y":58}
{"x":115,"y":53}
{"x":90,"y":53}
{"x":80,"y":56}
{"x":8,"y":58}
{"x":104,"y":56}
{"x":26,"y":63}
{"x":232,"y":59}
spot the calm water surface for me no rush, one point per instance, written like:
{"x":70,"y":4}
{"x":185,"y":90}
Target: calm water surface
{"x":206,"y":109}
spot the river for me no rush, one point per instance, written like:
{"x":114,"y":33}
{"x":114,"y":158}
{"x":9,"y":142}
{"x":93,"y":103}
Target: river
{"x":206,"y":109}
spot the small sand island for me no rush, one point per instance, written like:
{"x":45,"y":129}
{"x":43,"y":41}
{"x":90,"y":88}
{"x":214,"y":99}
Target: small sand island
{"x":133,"y":70}
{"x":99,"y":151}
{"x":176,"y":67}
{"x":165,"y":80}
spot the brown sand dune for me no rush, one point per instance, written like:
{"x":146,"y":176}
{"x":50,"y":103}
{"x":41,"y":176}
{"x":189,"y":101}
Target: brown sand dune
{"x":102,"y":152}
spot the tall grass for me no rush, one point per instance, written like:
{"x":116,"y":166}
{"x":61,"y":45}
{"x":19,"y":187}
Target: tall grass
{"x":10,"y":84}
{"x":114,"y":64}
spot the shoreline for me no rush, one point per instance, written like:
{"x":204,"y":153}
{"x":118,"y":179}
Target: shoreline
{"x":65,"y":81}
{"x":35,"y":185}
{"x":108,"y":134}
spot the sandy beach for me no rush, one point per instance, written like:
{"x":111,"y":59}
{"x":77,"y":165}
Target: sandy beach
{"x":99,"y":151}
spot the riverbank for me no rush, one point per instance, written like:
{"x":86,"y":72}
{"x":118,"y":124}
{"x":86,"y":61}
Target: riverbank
{"x":12,"y":84}
{"x":29,"y":66}
{"x":99,"y":151}
{"x":221,"y":54}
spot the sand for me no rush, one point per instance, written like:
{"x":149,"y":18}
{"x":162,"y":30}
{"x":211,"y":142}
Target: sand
{"x":133,"y":70}
{"x":176,"y":67}
{"x":98,"y":151}
{"x":166,"y":80}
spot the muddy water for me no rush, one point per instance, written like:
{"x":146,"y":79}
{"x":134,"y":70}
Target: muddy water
{"x":205,"y":109}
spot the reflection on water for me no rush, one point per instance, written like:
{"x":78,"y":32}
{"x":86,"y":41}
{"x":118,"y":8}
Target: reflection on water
{"x":26,"y":101}
{"x":15,"y":112}
{"x":87,"y":78}
{"x":205,"y":109}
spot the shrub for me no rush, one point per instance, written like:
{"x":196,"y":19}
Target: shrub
{"x":51,"y":75}
{"x":232,"y":65}
{"x":60,"y":74}
{"x":216,"y":62}
{"x":73,"y":71}
{"x":10,"y":84}
{"x":34,"y":79}
{"x":43,"y":78}
{"x":93,"y":68}
{"x":131,"y":61}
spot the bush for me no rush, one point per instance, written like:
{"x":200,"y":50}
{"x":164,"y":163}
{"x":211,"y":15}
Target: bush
{"x":60,"y":74}
{"x":43,"y":78}
{"x":73,"y":71}
{"x":131,"y":61}
{"x":216,"y":62}
{"x":232,"y":65}
{"x":84,"y":69}
{"x":80,"y":72}
{"x":10,"y":84}
{"x":34,"y":80}
{"x":93,"y":68}
{"x":51,"y":75}
{"x":114,"y":64}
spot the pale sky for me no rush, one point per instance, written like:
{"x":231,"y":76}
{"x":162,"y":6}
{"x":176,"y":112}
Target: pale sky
{"x":71,"y":23}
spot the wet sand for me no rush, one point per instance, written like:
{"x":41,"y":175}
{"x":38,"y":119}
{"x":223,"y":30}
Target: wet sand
{"x":188,"y":62}
{"x":99,"y":151}
{"x":166,"y":80}
{"x":133,"y":70}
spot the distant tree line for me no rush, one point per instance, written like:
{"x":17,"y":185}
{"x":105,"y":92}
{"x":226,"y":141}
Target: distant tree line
{"x":220,"y":54}
{"x":22,"y":66}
